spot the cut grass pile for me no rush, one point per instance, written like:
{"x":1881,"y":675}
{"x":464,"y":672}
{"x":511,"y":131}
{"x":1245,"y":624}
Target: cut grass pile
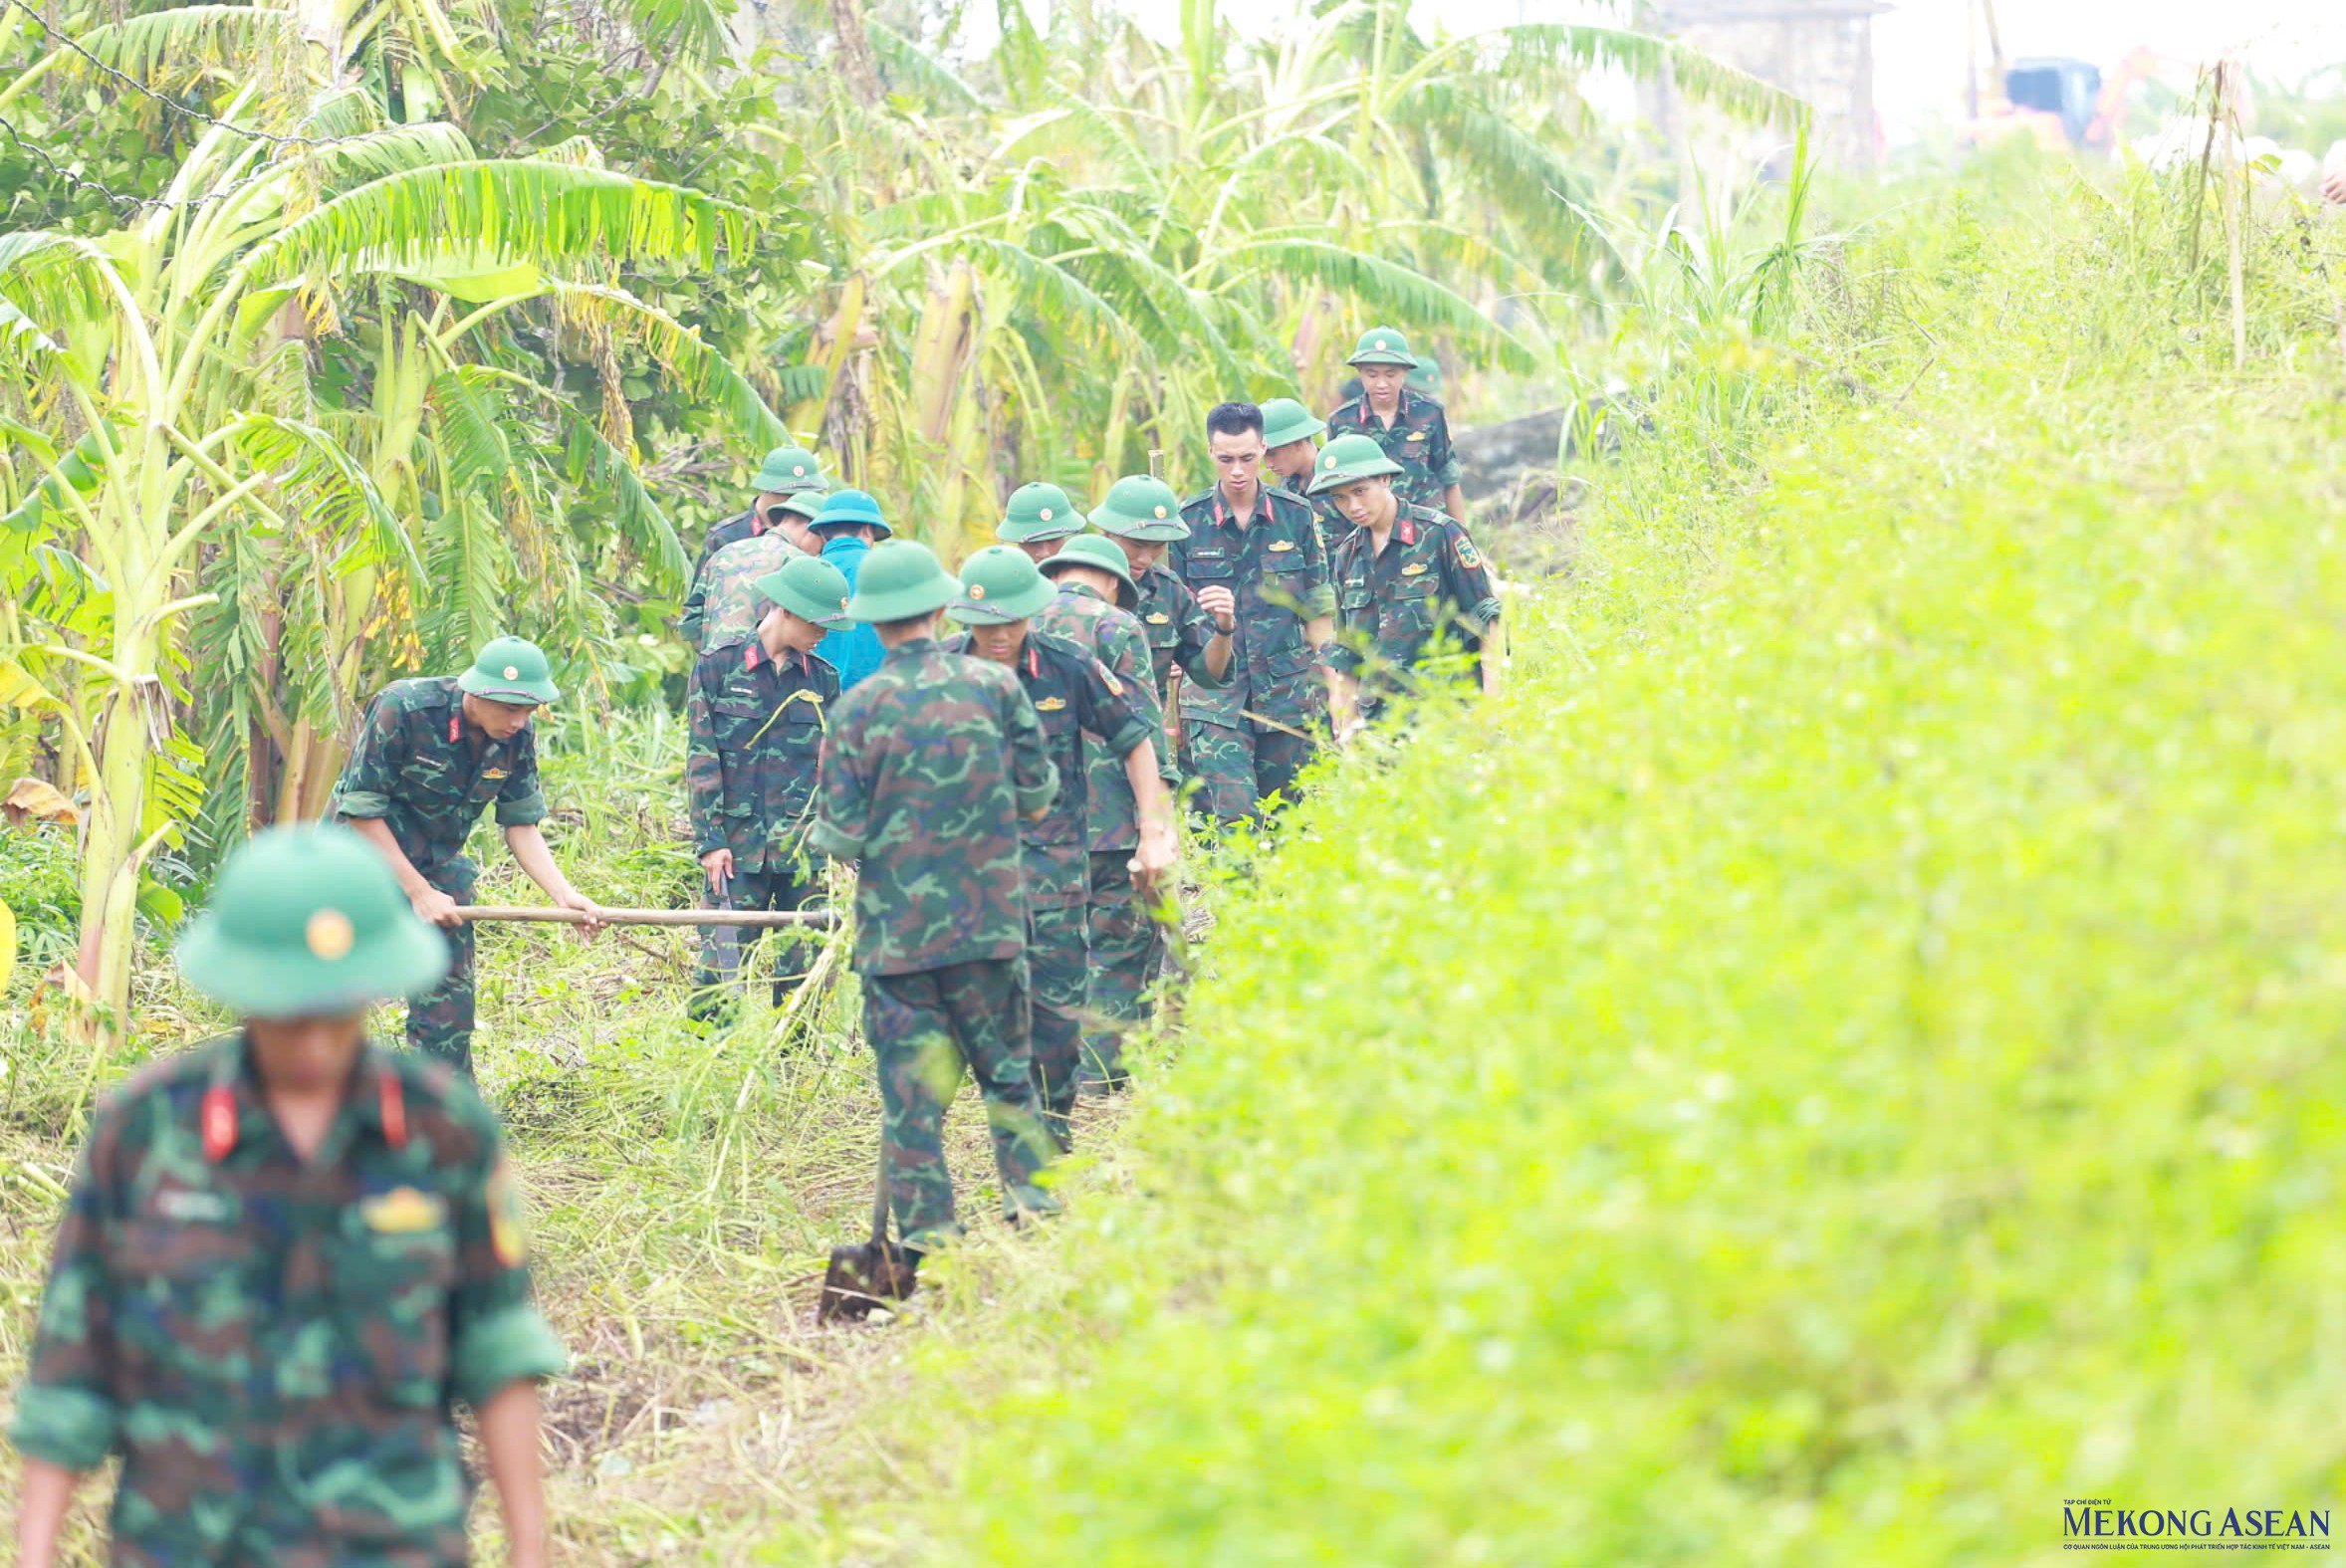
{"x":1846,"y":1061}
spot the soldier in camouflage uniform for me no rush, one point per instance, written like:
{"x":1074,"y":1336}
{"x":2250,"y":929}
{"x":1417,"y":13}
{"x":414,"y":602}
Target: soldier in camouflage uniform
{"x":1036,"y":518}
{"x":754,"y":723}
{"x":928,"y":769}
{"x":431,"y":752}
{"x":1414,"y":599}
{"x":1074,"y":695}
{"x":787,"y":471}
{"x":1408,"y":426}
{"x":727,"y":586}
{"x":1250,"y":738}
{"x":288,"y":1252}
{"x":1186,"y":631}
{"x":1094,"y":610}
{"x":1289,"y":432}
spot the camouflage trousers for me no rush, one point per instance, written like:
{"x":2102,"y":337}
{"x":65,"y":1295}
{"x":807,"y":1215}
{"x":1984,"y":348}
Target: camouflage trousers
{"x":1127,"y":953}
{"x":440,"y":1022}
{"x":726,"y":950}
{"x":924,"y":1028}
{"x":1059,"y":958}
{"x":1238,"y":769}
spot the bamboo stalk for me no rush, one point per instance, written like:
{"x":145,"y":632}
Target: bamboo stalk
{"x":761,"y":918}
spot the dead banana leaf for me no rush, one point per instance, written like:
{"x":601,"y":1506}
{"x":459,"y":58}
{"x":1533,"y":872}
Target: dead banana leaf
{"x":43,"y":803}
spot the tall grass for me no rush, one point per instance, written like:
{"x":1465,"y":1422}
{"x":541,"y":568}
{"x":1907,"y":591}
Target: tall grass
{"x":1843,"y":1061}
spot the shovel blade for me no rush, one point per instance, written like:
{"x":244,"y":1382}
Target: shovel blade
{"x":858,"y":1279}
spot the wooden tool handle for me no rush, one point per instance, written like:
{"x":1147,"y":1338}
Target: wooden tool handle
{"x":822,"y":919}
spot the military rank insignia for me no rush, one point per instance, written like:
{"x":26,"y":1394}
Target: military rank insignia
{"x":403,"y":1211}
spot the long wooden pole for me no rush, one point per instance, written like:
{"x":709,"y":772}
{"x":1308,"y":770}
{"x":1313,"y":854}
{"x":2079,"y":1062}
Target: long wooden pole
{"x":819,"y":919}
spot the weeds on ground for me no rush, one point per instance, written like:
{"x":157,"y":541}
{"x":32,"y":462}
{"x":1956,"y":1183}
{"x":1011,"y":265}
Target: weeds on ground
{"x":1840,"y":1061}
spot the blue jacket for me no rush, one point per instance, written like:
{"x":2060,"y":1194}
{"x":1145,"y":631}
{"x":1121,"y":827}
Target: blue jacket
{"x":855,"y":652}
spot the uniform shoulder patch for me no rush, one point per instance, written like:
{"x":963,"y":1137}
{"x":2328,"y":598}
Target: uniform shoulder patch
{"x":1108,"y":679}
{"x":1467,"y":555}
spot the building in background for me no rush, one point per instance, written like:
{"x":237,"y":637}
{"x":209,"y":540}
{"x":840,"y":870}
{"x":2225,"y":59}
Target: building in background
{"x":1821,"y":50}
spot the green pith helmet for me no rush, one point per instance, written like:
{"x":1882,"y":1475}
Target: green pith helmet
{"x":844,"y":507}
{"x":511,"y":670}
{"x":1138,"y":507}
{"x":309,"y":923}
{"x":1039,"y":512}
{"x":1285,"y":420}
{"x":790,"y":469}
{"x":1095,"y":553}
{"x":1348,"y":458}
{"x":899,"y":580}
{"x":1383,"y":345}
{"x":811,"y":589}
{"x":806,"y":503}
{"x":1000,"y":585}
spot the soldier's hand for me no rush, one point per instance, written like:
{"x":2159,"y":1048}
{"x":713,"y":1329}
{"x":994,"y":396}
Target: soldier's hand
{"x":718,"y":864}
{"x":2334,"y":186}
{"x":436,"y":908}
{"x":1218,"y":603}
{"x":572,"y":898}
{"x":1159,"y":850}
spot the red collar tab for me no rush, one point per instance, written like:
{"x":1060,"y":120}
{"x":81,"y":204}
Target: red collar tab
{"x":391,"y":1097}
{"x":456,"y":724}
{"x":220,"y":1121}
{"x":1407,"y":528}
{"x":749,"y":654}
{"x":1033,"y":658}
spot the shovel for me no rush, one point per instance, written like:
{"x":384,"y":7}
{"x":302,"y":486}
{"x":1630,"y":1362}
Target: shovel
{"x":870,"y":1275}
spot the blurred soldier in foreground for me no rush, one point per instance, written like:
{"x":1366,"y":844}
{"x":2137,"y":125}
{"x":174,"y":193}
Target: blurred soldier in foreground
{"x":431,"y":752}
{"x":288,"y":1251}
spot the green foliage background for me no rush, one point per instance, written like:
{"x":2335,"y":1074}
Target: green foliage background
{"x":1850,"y":1063}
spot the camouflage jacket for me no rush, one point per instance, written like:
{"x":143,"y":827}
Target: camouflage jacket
{"x":1427,"y":593}
{"x":1332,"y":524}
{"x":726,"y":588}
{"x":1115,"y":639}
{"x":928,"y":769}
{"x":1274,"y":568}
{"x":1417,"y":439}
{"x":420,"y":767}
{"x":272,"y":1345}
{"x":729,"y":530}
{"x":1177,"y":631}
{"x":1073,"y":692}
{"x":754,"y":738}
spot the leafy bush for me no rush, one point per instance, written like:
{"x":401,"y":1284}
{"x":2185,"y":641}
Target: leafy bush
{"x":1855,"y":1067}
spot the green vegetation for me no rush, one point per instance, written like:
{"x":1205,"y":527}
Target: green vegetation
{"x":1840,"y":1063}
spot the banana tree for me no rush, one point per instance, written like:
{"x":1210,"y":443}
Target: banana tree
{"x":180,"y":348}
